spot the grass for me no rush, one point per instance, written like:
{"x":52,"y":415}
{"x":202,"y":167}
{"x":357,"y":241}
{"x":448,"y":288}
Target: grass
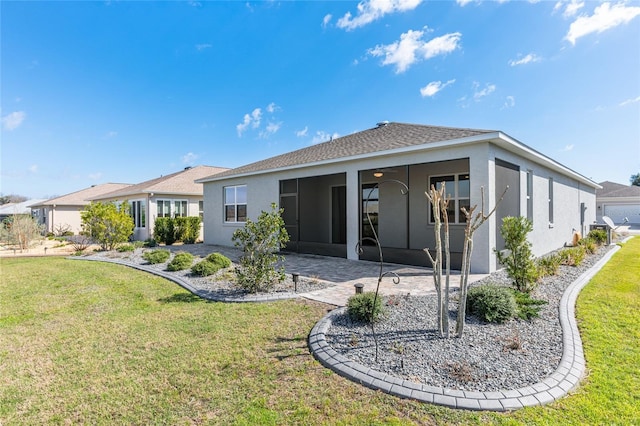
{"x":87,"y":342}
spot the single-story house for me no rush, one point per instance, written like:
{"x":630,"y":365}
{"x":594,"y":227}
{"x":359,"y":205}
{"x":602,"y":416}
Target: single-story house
{"x":22,"y":208}
{"x":63,"y":213}
{"x":619,"y":202}
{"x":173,"y":195}
{"x":324,"y":189}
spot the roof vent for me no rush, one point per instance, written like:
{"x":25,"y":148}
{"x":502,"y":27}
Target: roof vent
{"x":382,"y":123}
{"x":188,"y":167}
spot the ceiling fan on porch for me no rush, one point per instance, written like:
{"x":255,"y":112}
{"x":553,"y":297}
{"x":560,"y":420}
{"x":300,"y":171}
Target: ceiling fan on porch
{"x":378,"y":173}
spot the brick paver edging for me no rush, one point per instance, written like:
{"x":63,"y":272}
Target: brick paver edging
{"x":566,"y":377}
{"x":269,"y":297}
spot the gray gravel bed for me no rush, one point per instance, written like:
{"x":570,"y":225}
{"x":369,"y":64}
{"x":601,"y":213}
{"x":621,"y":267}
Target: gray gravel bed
{"x":489,"y":357}
{"x":220,"y":285}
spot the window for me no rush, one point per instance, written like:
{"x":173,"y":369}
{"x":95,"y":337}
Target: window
{"x":201,"y":209}
{"x":235,"y":203}
{"x":530,"y":195}
{"x":458,"y":191}
{"x":138,"y":213}
{"x":172,"y":208}
{"x":371,"y":205}
{"x":550,"y":200}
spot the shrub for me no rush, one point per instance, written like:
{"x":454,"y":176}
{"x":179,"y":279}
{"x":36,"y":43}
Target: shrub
{"x":260,"y":241}
{"x":548,"y":265}
{"x":360,"y":307}
{"x":598,"y":235}
{"x":180,"y":261}
{"x":527,"y":307}
{"x":573,"y":256}
{"x":164,"y":230}
{"x":156,"y":256}
{"x":187,"y":229}
{"x":589,"y":245}
{"x":205,"y":268}
{"x":150,"y":243}
{"x":125,"y":247}
{"x":218,"y":259}
{"x":79,"y":242}
{"x":517,"y":257}
{"x":492,"y":303}
{"x":107,"y":224}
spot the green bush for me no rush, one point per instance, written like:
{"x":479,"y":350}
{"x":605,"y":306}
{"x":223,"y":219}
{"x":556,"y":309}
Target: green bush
{"x":125,"y":247}
{"x":164,"y":230}
{"x":150,"y":243}
{"x":589,"y":244}
{"x":548,"y":265}
{"x":260,"y":241}
{"x":156,"y":256}
{"x":107,"y":224}
{"x":598,"y":235}
{"x":527,"y":307}
{"x":517,"y":257}
{"x":180,"y":261}
{"x":205,"y":268}
{"x":187,"y":229}
{"x":492,"y":303}
{"x":218,"y":259}
{"x":360,"y":307}
{"x":573,"y":256}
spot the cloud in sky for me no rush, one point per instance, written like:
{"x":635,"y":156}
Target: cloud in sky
{"x":252,"y":120}
{"x":326,"y":20}
{"x":302,"y":133}
{"x":630,"y":101}
{"x":463,"y":2}
{"x":372,"y":10}
{"x":531,"y":57}
{"x":33,"y":168}
{"x":604,"y":17}
{"x":434,"y":87}
{"x":322,"y":136}
{"x":203,"y":46}
{"x":567,"y":148}
{"x":272,"y":107}
{"x":270,"y":129}
{"x":481,"y":93}
{"x":189,"y":158}
{"x":110,"y":134}
{"x":411,"y":48}
{"x":571,"y":8}
{"x":509,"y":102}
{"x":13,"y":120}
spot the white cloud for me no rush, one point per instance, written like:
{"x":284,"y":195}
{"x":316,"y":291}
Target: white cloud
{"x":33,"y":168}
{"x":463,"y":2}
{"x":531,"y":57}
{"x":270,"y":130}
{"x":95,"y":176}
{"x":567,"y":148}
{"x":326,"y":20}
{"x":509,"y":102}
{"x":630,"y":101}
{"x":13,"y":120}
{"x":111,"y":134}
{"x":411,"y":48}
{"x":302,"y":133}
{"x":243,"y":126}
{"x":572,"y":8}
{"x":434,"y":87}
{"x":189,"y":158}
{"x":481,"y":93}
{"x":604,"y":17}
{"x":203,"y":46}
{"x":272,"y":107}
{"x":322,"y":136}
{"x":253,"y":120}
{"x":372,"y":10}
{"x":256,"y":116}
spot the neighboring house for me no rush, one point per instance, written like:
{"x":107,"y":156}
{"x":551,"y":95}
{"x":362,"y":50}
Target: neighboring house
{"x":63,"y":212}
{"x":22,"y":208}
{"x":167,"y":196}
{"x":322,"y":189}
{"x":618,"y":202}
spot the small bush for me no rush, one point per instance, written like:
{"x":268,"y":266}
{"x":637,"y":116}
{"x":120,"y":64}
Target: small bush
{"x":492,"y":303}
{"x":598,"y":235}
{"x":164,"y":230}
{"x":517,"y":257}
{"x":218,"y":259}
{"x":156,"y":256}
{"x":590,"y":245}
{"x":125,"y":247}
{"x":150,"y":243}
{"x":360,"y":307}
{"x":548,"y":265}
{"x":205,"y":268}
{"x":180,"y":261}
{"x":187,"y":229}
{"x":573,"y":256}
{"x":527,"y":307}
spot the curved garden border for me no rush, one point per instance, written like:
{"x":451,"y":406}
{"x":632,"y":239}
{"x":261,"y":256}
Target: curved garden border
{"x":566,"y":377}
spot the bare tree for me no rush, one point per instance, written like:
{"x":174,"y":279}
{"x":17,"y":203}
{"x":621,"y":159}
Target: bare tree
{"x":21,"y":230}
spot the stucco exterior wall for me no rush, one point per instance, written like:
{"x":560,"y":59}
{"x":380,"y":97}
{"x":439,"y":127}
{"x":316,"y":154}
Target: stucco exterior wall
{"x":60,"y":216}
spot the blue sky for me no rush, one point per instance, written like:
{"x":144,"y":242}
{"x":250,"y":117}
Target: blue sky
{"x":120,"y":91}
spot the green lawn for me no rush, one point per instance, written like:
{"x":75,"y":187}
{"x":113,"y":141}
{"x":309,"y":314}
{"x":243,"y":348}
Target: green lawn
{"x":87,"y":342}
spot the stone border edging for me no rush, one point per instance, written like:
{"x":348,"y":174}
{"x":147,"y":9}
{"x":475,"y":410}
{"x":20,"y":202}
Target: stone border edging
{"x":566,"y":377}
{"x":200,"y":293}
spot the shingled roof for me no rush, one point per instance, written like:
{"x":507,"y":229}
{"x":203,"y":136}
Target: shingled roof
{"x":613,"y":190}
{"x":81,"y":197}
{"x":182,"y":182}
{"x":384,"y":137}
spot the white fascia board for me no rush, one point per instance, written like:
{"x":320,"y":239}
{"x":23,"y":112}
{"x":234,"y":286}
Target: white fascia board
{"x":487,"y":137}
{"x":513,"y":145}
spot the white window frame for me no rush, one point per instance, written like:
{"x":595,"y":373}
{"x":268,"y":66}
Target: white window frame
{"x":456,"y":198}
{"x":234,"y":203}
{"x":138,"y":212}
{"x":172,"y":202}
{"x":182,"y":203}
{"x":201,"y":209}
{"x":160,"y":213}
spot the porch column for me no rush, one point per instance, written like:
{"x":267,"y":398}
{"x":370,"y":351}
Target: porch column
{"x":353,"y":212}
